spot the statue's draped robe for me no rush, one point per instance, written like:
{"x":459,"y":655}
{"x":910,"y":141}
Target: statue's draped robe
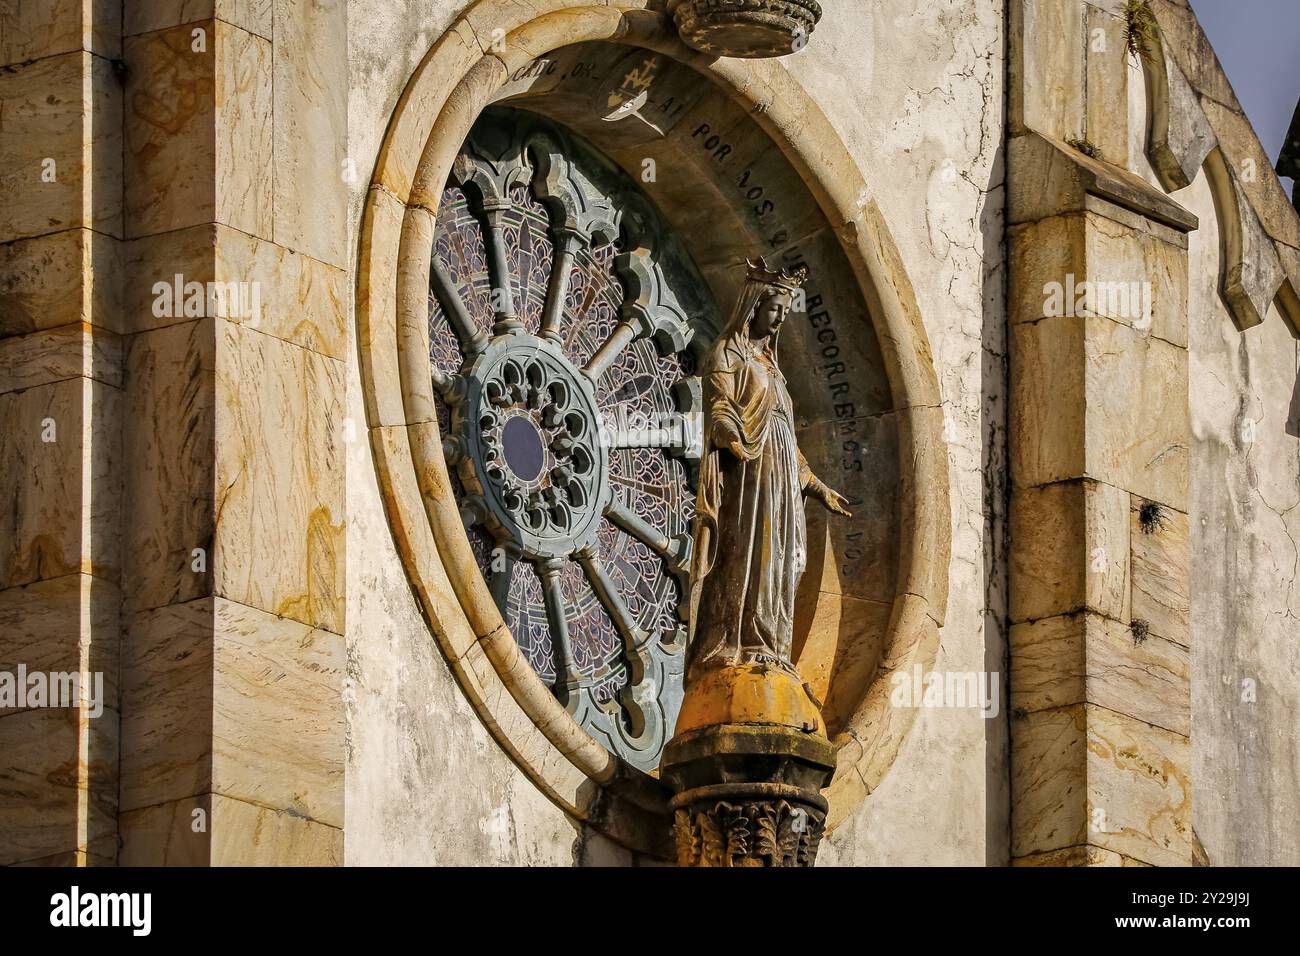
{"x":751,"y":537}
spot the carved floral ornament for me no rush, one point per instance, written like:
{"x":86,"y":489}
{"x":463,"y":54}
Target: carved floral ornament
{"x":436,"y":114}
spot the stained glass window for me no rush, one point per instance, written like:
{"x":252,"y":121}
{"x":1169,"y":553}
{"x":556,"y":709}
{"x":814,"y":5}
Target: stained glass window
{"x":565,"y":324}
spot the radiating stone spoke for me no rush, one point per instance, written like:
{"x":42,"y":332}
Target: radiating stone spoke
{"x":676,"y":551}
{"x":503,"y":298}
{"x":567,"y":678}
{"x":566,"y":243}
{"x":640,"y":696}
{"x":472,"y":339}
{"x":607,"y":593}
{"x":607,"y":354}
{"x":678,"y":438}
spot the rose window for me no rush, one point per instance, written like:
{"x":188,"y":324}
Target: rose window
{"x":565,"y":321}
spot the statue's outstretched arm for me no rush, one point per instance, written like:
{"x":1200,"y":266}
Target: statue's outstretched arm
{"x":816,"y":488}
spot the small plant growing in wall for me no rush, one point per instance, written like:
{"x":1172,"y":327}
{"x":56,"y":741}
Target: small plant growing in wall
{"x":1151,"y":518}
{"x":1141,"y":630}
{"x":1087,"y":147}
{"x":1139,"y":27}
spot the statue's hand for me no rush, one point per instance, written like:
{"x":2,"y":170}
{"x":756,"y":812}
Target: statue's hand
{"x":833,"y":500}
{"x":726,"y":436}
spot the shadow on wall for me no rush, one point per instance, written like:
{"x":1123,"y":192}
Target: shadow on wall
{"x":994,"y":460}
{"x":1293,"y":413}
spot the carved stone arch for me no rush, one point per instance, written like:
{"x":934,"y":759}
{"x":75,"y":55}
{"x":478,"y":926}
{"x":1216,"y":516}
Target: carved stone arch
{"x":1180,"y":142}
{"x":450,"y":88}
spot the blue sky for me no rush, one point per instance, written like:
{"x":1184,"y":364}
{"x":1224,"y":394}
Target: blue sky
{"x":1258,"y":43}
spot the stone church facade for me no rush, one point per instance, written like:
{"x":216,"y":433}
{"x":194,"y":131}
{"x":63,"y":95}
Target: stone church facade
{"x":347,"y":411}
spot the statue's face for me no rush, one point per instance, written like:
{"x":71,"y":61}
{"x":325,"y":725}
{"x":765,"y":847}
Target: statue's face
{"x":770,"y":315}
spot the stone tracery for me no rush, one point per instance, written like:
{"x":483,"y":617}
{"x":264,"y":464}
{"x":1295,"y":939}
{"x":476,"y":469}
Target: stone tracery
{"x":562,"y":358}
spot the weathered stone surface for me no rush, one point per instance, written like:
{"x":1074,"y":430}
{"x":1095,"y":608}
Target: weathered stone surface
{"x":1049,"y":808}
{"x":1106,"y":82}
{"x":60,"y":157}
{"x":1161,"y":565}
{"x":1249,"y":268}
{"x":62,"y":479}
{"x":1141,"y":269}
{"x":168,"y":124}
{"x":1072,"y":550}
{"x":68,"y":276}
{"x":235,"y":833}
{"x":838,"y":643}
{"x":1084,"y":774}
{"x":310,"y":130}
{"x":169,"y":433}
{"x":244,"y":145}
{"x":858,"y":458}
{"x":1086,"y":658}
{"x":1041,"y":253}
{"x":226,"y":698}
{"x":168,"y":713}
{"x":251,"y":15}
{"x":55,"y":355}
{"x":279,"y":530}
{"x":1191,"y":50}
{"x":1139,"y":776}
{"x":1048,"y":415}
{"x":1243,"y":528}
{"x":65,"y":625}
{"x":1253,"y":167}
{"x":281,"y":292}
{"x":198,"y":129}
{"x":1056,"y":178}
{"x":1085,"y":855}
{"x":60,"y":785}
{"x":1064,"y":420}
{"x":1135,"y":270}
{"x":1106,"y":262}
{"x":376,"y":308}
{"x":30,"y":31}
{"x":1180,"y":135}
{"x":1047,"y":67}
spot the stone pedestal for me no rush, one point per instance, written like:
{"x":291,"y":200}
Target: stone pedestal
{"x":750,"y":29}
{"x":747,"y":764}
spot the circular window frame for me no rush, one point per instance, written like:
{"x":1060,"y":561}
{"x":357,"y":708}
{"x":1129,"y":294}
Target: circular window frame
{"x":457,"y":79}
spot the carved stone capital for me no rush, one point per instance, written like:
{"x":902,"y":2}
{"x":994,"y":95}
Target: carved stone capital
{"x":756,"y":824}
{"x":748,"y":794}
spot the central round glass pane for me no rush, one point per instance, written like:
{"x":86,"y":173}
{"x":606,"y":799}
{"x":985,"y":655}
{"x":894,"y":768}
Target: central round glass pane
{"x":523,"y":449}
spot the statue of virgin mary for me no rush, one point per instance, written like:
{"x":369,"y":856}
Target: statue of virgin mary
{"x":750,"y":531}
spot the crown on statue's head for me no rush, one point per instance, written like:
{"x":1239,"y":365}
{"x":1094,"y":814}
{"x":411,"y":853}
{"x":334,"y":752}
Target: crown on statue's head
{"x":787,"y":279}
